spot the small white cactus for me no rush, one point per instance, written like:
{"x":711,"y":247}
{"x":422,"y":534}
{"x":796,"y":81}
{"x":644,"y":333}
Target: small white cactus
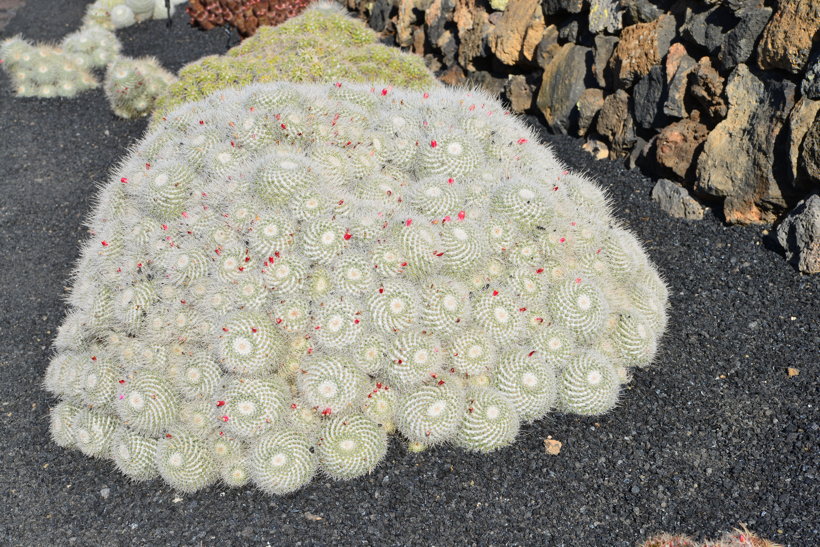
{"x":280,"y":276}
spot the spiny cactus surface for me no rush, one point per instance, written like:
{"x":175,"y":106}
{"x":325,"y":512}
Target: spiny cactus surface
{"x":279,"y":276}
{"x":323,"y":44}
{"x":46,"y":71}
{"x":133,"y":85}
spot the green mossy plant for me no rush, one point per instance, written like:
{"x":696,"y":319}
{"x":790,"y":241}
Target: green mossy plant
{"x":323,"y":44}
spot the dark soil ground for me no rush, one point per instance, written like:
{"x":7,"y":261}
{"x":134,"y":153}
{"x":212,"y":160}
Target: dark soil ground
{"x":714,"y":435}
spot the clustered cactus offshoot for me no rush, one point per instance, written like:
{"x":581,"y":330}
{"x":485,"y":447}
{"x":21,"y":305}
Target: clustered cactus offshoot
{"x":279,"y":276}
{"x":245,"y":15}
{"x":738,"y":538}
{"x":323,"y":44}
{"x":133,"y":85}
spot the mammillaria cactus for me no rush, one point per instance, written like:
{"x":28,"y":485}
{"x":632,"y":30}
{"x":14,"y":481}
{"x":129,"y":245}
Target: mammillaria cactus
{"x":323,"y":44}
{"x":738,"y":538}
{"x":245,"y":15}
{"x":44,"y":71}
{"x":133,"y":85}
{"x":278,"y":276}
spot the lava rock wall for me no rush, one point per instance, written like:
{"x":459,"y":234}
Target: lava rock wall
{"x":719,"y":96}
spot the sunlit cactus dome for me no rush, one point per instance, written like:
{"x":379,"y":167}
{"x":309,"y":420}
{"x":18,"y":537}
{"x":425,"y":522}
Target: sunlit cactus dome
{"x":279,"y":276}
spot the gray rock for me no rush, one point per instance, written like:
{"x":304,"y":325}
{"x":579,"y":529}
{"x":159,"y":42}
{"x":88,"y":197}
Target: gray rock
{"x":738,"y":44}
{"x":380,"y":14}
{"x":676,"y":201}
{"x":675,"y":105}
{"x":568,"y":30}
{"x":799,"y":235}
{"x":605,"y":15}
{"x":435,"y":26}
{"x":551,"y":7}
{"x":649,"y":96}
{"x":564,"y":79}
{"x":739,"y":154}
{"x":707,"y":28}
{"x":644,"y":11}
{"x":809,"y":162}
{"x":604,"y":46}
{"x":486,"y":81}
{"x":810,"y":87}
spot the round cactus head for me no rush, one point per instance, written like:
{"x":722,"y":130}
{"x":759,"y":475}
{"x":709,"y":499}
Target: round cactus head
{"x":270,"y":290}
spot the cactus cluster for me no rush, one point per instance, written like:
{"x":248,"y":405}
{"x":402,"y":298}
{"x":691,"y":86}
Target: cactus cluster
{"x":323,"y":44}
{"x":116,"y":14}
{"x":737,"y":538}
{"x":279,"y":276}
{"x":52,"y":71}
{"x":133,"y":85}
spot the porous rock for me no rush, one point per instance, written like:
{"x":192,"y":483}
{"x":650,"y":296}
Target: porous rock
{"x":473,"y":26}
{"x":707,"y":28}
{"x":788,"y":37}
{"x":676,"y":201}
{"x":615,"y":123}
{"x":799,"y":235}
{"x":737,"y":158}
{"x":641,"y":47}
{"x":562,"y":84}
{"x":706,"y":88}
{"x":676,"y":145}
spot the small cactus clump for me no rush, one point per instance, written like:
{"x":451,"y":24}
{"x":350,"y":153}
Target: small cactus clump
{"x":133,"y":85}
{"x":323,"y":44}
{"x":91,"y":47}
{"x":46,"y":71}
{"x":116,"y":14}
{"x":280,"y":276}
{"x":738,"y":538}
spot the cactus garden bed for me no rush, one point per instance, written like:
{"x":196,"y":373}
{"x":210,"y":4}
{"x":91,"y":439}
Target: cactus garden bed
{"x":720,"y":430}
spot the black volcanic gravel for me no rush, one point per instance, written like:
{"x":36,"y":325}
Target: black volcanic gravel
{"x":715,"y":434}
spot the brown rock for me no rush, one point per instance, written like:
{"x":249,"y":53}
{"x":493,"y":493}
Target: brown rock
{"x":589,"y":105}
{"x":801,"y":120}
{"x":552,"y":446}
{"x":418,"y":40}
{"x":706,"y":88}
{"x":453,"y":76}
{"x":518,"y":32}
{"x":615,"y":124}
{"x":598,"y":149}
{"x":472,"y":24}
{"x":562,"y":83}
{"x":641,"y":47}
{"x":519,"y":93}
{"x":787,"y":39}
{"x":676,"y":145}
{"x":737,"y":158}
{"x":404,"y":22}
